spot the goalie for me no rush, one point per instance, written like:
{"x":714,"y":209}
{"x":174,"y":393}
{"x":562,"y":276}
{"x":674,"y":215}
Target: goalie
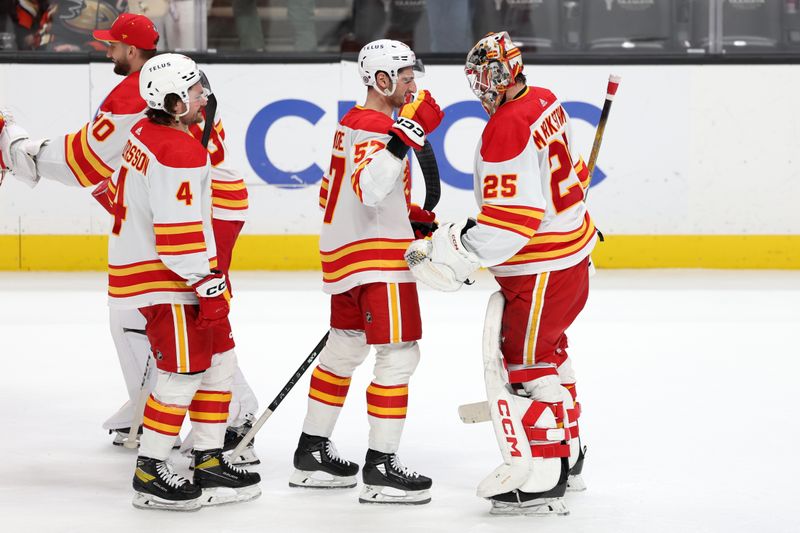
{"x":535,"y":235}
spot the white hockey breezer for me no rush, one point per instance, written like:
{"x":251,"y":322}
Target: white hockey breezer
{"x":532,"y":478}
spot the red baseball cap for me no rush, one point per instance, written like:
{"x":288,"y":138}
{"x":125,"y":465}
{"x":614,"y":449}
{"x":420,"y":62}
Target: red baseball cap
{"x":131,"y":29}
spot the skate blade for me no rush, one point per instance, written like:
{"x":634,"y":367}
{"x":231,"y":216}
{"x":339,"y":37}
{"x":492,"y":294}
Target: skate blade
{"x":576,"y":483}
{"x":320,"y":480}
{"x":543,"y":507}
{"x":225,"y":495}
{"x":148,"y":501}
{"x":390,"y":495}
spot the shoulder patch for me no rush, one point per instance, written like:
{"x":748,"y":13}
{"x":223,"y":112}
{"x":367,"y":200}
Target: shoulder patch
{"x":171,"y":147}
{"x":359,"y":118}
{"x":124,"y":99}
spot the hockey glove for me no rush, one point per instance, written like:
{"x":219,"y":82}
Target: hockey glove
{"x":213,"y":303}
{"x":443,"y":262}
{"x":422,"y":222}
{"x":102,"y":194}
{"x":417,"y":119}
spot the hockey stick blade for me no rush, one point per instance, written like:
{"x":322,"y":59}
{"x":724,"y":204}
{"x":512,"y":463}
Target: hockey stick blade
{"x":279,"y":398}
{"x":430,"y":173}
{"x":211,"y":111}
{"x":474,"y":413}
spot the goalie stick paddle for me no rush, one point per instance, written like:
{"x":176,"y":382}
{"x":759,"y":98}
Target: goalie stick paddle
{"x":473,"y":413}
{"x":430,"y":173}
{"x":611,"y":90}
{"x":281,"y":395}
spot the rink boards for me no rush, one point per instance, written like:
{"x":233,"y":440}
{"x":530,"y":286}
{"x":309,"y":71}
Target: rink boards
{"x":698,"y":168}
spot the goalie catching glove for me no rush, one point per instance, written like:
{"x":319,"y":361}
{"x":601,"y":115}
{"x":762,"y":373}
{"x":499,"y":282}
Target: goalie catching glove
{"x":443,"y":262}
{"x":211,"y":297}
{"x":18,"y":151}
{"x":417,"y":119}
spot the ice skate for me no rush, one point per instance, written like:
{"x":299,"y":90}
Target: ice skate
{"x":121,"y":434}
{"x":575,"y":481}
{"x":516,"y":504}
{"x":156,"y":486}
{"x":233,"y":436}
{"x":221,"y":482}
{"x":319,"y":466}
{"x":386,"y":480}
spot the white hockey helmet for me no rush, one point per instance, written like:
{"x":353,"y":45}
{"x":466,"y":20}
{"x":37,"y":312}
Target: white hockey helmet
{"x":386,"y":55}
{"x":492,"y":67}
{"x":168,"y":73}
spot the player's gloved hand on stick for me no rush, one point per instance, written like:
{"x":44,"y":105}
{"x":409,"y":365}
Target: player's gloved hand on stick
{"x":416,"y":119}
{"x":211,"y":295}
{"x":103,"y":196}
{"x":423,"y":222}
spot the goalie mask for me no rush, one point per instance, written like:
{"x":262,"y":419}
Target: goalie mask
{"x":386,"y":55}
{"x":492,"y":67}
{"x":169,"y":73}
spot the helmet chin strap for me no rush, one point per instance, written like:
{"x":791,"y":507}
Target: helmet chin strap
{"x":178,"y":116}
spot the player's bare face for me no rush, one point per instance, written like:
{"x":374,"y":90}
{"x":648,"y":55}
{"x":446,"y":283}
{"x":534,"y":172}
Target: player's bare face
{"x":197,"y":101}
{"x":406,"y":87}
{"x":118,"y":54}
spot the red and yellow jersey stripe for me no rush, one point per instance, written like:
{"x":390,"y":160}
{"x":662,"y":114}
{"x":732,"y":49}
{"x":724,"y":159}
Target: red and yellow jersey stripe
{"x":323,"y":192}
{"x":355,"y":180}
{"x":554,"y":245}
{"x":360,"y":256}
{"x":89,"y":168}
{"x":146,"y":277}
{"x":583,"y":173}
{"x":522,"y":220}
{"x":229,"y":195}
{"x":387,"y":401}
{"x":179,"y":238}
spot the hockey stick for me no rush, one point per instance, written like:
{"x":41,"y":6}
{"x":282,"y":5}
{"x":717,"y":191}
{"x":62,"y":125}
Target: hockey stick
{"x":279,"y":398}
{"x":611,"y":90}
{"x":430,"y":173}
{"x":210,"y":111}
{"x":131,"y":441}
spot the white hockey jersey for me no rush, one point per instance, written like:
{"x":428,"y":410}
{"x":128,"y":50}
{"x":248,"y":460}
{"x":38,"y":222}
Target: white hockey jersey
{"x":530,"y":182}
{"x":162,"y":239}
{"x":91,"y":155}
{"x":360,"y":244}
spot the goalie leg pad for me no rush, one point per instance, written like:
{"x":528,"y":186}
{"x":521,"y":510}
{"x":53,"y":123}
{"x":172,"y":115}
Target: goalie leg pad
{"x":133,"y":350}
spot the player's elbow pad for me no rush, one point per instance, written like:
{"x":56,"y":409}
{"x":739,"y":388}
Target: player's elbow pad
{"x":379,"y":177}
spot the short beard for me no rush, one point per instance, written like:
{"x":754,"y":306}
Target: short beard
{"x":123,"y":69}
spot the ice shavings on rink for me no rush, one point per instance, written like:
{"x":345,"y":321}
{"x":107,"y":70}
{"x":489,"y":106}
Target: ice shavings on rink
{"x":687,"y":381}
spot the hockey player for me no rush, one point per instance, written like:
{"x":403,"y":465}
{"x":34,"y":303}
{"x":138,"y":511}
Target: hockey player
{"x":365,"y":197}
{"x":535,"y":235}
{"x":162,"y":261}
{"x":87,"y":159}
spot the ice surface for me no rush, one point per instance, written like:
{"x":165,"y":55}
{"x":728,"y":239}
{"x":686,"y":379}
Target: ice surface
{"x":687,"y":380}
